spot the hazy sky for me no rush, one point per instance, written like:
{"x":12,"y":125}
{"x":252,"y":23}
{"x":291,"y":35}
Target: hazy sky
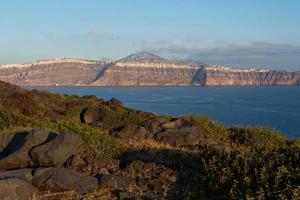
{"x":229,"y":32}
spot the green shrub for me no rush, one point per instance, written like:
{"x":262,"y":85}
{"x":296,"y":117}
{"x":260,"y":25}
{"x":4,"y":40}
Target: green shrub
{"x":120,"y":116}
{"x":261,"y":174}
{"x":97,"y":142}
{"x":211,"y":128}
{"x":257,"y":137}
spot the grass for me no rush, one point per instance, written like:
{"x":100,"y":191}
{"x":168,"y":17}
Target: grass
{"x":97,"y":142}
{"x":120,"y":116}
{"x":257,"y":137}
{"x":211,"y":129}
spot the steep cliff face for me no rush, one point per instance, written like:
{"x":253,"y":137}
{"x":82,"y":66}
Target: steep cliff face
{"x":221,"y":76}
{"x":145,"y":69}
{"x":52,"y":72}
{"x":141,"y":69}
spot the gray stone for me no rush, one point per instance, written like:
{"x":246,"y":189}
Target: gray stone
{"x":179,"y":137}
{"x":133,"y":132}
{"x":57,"y":151}
{"x":17,"y":150}
{"x":91,"y":115}
{"x":61,"y":179}
{"x":16,"y":189}
{"x":126,"y":196}
{"x":24,"y":174}
{"x":173,"y":124}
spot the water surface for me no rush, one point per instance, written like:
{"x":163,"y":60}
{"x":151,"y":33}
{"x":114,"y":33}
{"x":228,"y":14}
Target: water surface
{"x":273,"y":107}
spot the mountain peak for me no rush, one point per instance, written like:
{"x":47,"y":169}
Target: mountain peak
{"x":144,"y":56}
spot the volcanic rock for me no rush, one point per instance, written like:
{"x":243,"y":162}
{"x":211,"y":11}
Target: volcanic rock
{"x":61,"y":179}
{"x":57,"y":151}
{"x":16,"y":189}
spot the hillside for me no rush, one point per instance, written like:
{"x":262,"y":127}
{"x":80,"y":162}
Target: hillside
{"x":70,"y":147}
{"x":141,"y":69}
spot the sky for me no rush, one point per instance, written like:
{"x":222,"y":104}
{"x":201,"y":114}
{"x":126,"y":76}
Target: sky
{"x":264,"y":33}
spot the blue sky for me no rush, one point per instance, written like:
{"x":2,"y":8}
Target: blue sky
{"x":229,"y":32}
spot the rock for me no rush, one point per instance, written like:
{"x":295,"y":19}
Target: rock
{"x":18,"y":149}
{"x":61,"y":179}
{"x":16,"y":189}
{"x":132,"y":132}
{"x":90,"y":115}
{"x":23,"y":174}
{"x":57,"y":151}
{"x":113,"y":182}
{"x":152,"y":126}
{"x":122,"y":195}
{"x":76,"y":162}
{"x":173,"y":124}
{"x":113,"y":102}
{"x":179,"y":137}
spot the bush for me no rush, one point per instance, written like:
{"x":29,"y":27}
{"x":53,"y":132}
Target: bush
{"x":259,"y":175}
{"x":257,"y":137}
{"x":211,"y":128}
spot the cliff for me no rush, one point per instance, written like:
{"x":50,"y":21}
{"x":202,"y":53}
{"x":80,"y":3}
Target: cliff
{"x":141,"y":69}
{"x":146,"y":69}
{"x":221,"y":76}
{"x":63,"y":71}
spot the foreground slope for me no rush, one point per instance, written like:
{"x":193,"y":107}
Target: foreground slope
{"x":96,"y":149}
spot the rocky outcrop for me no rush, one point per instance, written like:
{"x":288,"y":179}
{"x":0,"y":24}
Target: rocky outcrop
{"x":38,"y":158}
{"x":39,"y":147}
{"x":141,"y":69}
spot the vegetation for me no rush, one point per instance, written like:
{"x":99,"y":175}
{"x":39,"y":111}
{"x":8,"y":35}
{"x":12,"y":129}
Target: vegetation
{"x":97,"y":142}
{"x":262,"y":164}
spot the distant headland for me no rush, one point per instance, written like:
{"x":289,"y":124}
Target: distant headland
{"x":140,"y":69}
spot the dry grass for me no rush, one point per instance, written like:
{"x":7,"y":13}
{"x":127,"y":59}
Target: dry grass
{"x":150,"y":143}
{"x":101,"y":194}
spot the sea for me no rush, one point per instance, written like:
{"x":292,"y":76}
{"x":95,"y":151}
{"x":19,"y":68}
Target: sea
{"x":276,"y":107}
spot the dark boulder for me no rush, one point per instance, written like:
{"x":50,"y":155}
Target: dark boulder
{"x":57,"y":151}
{"x":23,"y":174}
{"x":61,"y":179}
{"x":16,"y":189}
{"x":16,"y":153}
{"x":113,"y":102}
{"x":90,"y":115}
{"x":132,"y":132}
{"x":123,"y":195}
{"x":179,"y":137}
{"x":53,"y":179}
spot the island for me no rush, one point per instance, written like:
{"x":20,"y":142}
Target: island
{"x":140,"y":69}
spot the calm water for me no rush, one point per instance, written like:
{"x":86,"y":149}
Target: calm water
{"x":274,"y":107}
